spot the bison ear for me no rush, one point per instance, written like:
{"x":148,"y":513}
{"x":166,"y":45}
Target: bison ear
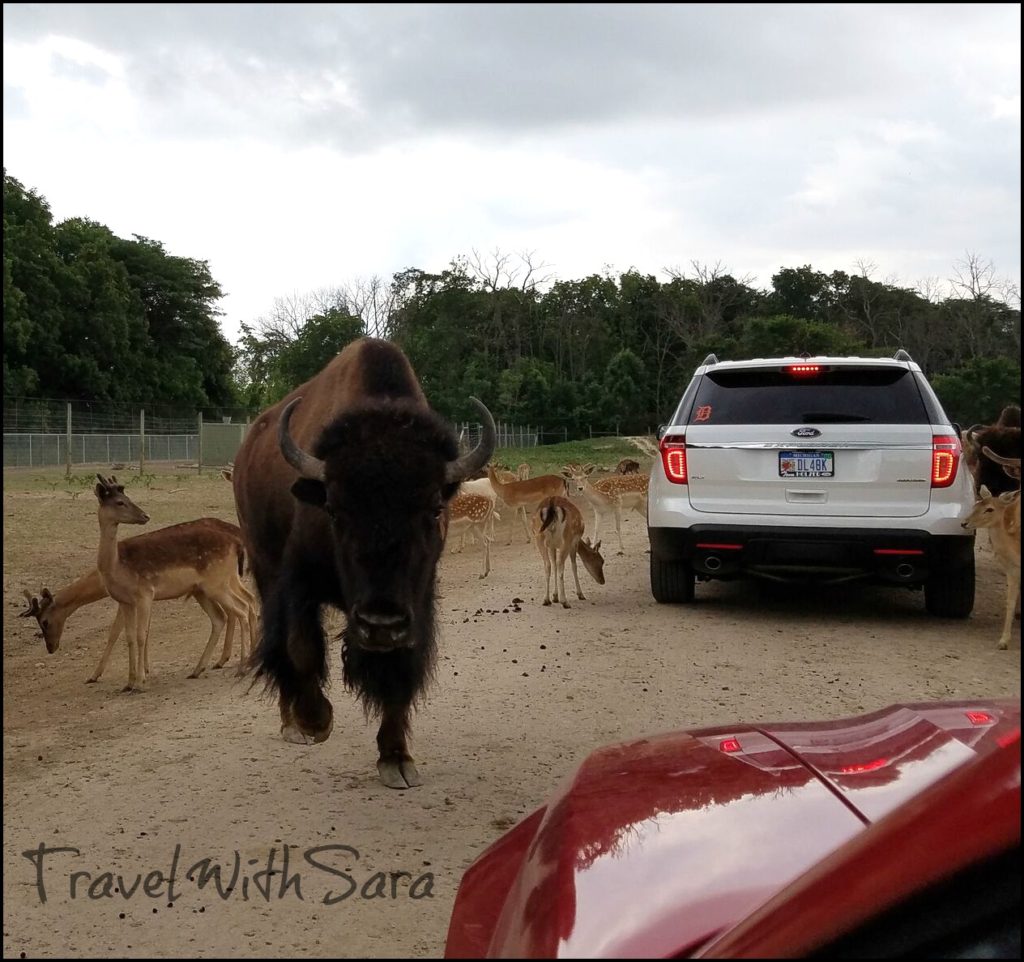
{"x":310,"y":491}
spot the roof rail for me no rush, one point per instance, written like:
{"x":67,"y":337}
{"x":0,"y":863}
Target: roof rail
{"x":710,"y":359}
{"x":901,"y":355}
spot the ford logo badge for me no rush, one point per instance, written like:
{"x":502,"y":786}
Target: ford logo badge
{"x":806,"y":433}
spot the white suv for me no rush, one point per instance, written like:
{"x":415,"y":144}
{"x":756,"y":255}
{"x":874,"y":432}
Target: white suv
{"x":833,"y":469}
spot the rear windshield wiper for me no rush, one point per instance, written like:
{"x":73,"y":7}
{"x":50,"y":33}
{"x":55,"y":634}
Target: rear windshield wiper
{"x":831,"y":417}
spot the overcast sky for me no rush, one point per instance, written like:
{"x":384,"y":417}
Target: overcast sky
{"x":306,"y":146}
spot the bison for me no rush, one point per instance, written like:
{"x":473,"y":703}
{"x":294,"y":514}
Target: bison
{"x":1003,"y":438}
{"x":342,"y":490}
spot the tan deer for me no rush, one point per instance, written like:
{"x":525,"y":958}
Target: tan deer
{"x":474,"y":512}
{"x":558,"y":533}
{"x":1000,"y":514}
{"x":608,"y":495}
{"x":202,"y":562}
{"x":51,"y":610}
{"x":524,"y":496}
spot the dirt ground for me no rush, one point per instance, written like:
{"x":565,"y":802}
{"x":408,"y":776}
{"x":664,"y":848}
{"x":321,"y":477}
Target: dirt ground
{"x":523,"y":694}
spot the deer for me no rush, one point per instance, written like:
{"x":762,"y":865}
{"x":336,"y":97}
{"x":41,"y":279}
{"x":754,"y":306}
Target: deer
{"x":483,"y":487}
{"x":1000,"y":514}
{"x":51,"y":610}
{"x":627,"y":466}
{"x":474,"y":512}
{"x":558,"y":533}
{"x":200,"y":562}
{"x":526,"y":495}
{"x":608,"y":495}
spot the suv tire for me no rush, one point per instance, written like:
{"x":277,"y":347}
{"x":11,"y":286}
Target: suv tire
{"x":949,"y":593}
{"x":672,"y":582}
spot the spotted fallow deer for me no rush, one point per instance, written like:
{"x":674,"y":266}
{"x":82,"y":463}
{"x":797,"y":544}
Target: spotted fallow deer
{"x":608,"y":495}
{"x":473,"y":512}
{"x":526,"y":495}
{"x":52,"y":609}
{"x":1000,"y":514}
{"x":200,"y":563}
{"x":558,"y":533}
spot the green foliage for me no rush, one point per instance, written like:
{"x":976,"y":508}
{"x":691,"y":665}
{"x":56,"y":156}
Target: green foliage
{"x":976,"y":392}
{"x":90,"y":315}
{"x":603,"y":453}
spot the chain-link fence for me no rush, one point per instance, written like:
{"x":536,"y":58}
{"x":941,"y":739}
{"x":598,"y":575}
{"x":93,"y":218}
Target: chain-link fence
{"x":41,"y":432}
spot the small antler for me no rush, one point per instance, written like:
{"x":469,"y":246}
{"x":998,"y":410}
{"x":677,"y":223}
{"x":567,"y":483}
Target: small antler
{"x":33,"y":605}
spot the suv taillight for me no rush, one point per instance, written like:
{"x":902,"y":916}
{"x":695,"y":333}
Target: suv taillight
{"x":945,"y":459}
{"x":673,"y":457}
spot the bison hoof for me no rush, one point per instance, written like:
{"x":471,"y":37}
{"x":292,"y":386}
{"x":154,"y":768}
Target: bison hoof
{"x":395,"y":774}
{"x":292,"y":733}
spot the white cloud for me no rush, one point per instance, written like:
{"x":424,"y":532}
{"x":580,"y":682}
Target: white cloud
{"x":305,"y":146}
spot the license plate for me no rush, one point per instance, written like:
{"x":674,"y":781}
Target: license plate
{"x":806,"y":464}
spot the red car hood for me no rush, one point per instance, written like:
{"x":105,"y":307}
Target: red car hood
{"x":653,"y":846}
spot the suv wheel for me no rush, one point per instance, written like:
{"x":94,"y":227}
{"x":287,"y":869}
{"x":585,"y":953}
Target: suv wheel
{"x":950,"y":593}
{"x":671,"y":581}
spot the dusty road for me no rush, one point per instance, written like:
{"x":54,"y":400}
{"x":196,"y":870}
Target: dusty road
{"x":523,"y":693}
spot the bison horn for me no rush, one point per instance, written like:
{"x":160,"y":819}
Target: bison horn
{"x":1006,"y":462}
{"x":305,"y":464}
{"x":471,"y":462}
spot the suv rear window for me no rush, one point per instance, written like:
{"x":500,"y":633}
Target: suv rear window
{"x":844,"y":395}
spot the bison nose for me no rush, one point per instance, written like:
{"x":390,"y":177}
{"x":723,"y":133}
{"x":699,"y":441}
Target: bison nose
{"x":380,"y":627}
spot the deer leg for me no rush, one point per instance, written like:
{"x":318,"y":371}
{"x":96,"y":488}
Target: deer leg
{"x":144,"y":636}
{"x":112,"y":636}
{"x":241,"y":614}
{"x":131,"y":640}
{"x":526,"y":523}
{"x":395,"y":765}
{"x":143,"y":614}
{"x":561,"y":578}
{"x":229,"y":642}
{"x":487,"y":552}
{"x":216,"y":616}
{"x":576,"y":577}
{"x":618,"y":527}
{"x":1012,"y":593}
{"x":597,"y":525}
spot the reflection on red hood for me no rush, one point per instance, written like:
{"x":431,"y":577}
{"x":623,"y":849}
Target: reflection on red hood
{"x":653,"y":846}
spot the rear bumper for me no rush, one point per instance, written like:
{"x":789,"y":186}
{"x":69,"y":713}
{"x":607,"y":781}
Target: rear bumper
{"x":885,"y":556}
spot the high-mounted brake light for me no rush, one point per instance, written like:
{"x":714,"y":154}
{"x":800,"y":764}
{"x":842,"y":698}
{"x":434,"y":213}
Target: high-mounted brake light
{"x":673,"y":457}
{"x":730,"y":745}
{"x":945,"y":459}
{"x":803,"y":370}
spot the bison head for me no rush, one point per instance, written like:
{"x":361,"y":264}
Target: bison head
{"x":383,"y":474}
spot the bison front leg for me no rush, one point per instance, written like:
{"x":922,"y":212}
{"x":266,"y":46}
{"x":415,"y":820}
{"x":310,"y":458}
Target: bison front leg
{"x":292,"y":655}
{"x":395,"y":765}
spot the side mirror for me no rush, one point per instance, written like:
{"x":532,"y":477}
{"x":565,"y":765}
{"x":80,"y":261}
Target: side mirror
{"x":662,"y":428}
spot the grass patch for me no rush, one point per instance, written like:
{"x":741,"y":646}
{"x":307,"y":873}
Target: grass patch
{"x":605,"y":453}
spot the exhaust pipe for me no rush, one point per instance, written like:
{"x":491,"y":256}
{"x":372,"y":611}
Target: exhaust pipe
{"x":904,"y":570}
{"x":713,"y":563}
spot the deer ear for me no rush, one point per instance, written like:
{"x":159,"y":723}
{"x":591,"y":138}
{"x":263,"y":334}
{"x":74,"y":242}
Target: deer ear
{"x":588,"y":469}
{"x":984,"y":491}
{"x":597,"y":547}
{"x":46,"y":594}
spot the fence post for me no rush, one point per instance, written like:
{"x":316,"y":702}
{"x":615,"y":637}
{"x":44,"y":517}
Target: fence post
{"x":565,"y":434}
{"x":199,"y":446}
{"x":67,"y":472}
{"x":142,"y":441}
